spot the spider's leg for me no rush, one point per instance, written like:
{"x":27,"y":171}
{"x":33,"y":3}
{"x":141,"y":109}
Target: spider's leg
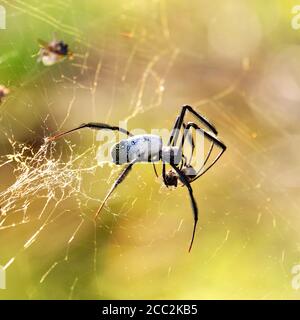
{"x":183,"y":162}
{"x":185,"y":181}
{"x":207,"y":157}
{"x":202,"y":119}
{"x":215,"y":141}
{"x":120,"y":179}
{"x":91,"y":125}
{"x":187,"y":131}
{"x":191,"y":141}
{"x":155,"y":171}
{"x":164,"y":174}
{"x":180,"y":119}
{"x":175,"y":131}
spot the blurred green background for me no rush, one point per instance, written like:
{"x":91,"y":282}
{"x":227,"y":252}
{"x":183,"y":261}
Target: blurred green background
{"x":236,"y":62}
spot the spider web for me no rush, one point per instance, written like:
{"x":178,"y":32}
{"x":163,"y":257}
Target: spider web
{"x":130,"y":66}
{"x":49,"y":185}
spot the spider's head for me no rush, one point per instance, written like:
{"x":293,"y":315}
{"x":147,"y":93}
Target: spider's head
{"x":119,"y":152}
{"x":171,"y":179}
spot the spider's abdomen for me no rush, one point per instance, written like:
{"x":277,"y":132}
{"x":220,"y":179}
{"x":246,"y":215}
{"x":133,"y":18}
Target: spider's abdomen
{"x":143,"y":148}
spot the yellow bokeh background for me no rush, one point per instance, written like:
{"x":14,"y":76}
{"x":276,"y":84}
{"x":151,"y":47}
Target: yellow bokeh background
{"x":237,"y":63}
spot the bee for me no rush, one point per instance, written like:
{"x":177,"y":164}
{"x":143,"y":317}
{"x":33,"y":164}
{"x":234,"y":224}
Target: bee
{"x":3,"y":92}
{"x":53,"y":52}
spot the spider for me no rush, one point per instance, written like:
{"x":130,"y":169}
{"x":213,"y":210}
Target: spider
{"x":53,"y":52}
{"x":150,"y":148}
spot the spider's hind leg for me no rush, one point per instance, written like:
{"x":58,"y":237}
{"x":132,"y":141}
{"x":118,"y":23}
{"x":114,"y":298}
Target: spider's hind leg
{"x":94,"y":126}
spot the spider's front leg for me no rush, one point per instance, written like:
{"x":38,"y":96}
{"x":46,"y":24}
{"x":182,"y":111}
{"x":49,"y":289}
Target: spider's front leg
{"x":119,"y":180}
{"x":215,"y":141}
{"x":186,"y":182}
{"x":180,"y":119}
